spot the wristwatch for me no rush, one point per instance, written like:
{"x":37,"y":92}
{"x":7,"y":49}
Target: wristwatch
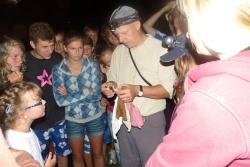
{"x":140,"y":93}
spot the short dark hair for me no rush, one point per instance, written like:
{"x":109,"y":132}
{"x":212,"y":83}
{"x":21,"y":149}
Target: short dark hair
{"x":87,"y":41}
{"x":42,"y":31}
{"x":89,"y":27}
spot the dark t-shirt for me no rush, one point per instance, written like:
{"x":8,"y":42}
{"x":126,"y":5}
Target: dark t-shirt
{"x":39,"y":72}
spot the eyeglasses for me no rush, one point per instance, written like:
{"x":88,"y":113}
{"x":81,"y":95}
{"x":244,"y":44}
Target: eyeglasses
{"x":40,"y":102}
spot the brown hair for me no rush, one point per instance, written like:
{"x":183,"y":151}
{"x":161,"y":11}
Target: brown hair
{"x":42,"y":31}
{"x":176,"y":17}
{"x":72,"y":36}
{"x":12,"y":100}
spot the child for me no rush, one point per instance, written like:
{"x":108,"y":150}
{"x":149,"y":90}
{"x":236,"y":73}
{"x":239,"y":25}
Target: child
{"x":59,"y":38}
{"x":76,"y":85}
{"x":20,"y":105}
{"x":211,"y":126}
{"x":51,"y":128}
{"x":11,"y":61}
{"x":105,"y":60}
{"x":109,"y":37}
{"x":88,"y":48}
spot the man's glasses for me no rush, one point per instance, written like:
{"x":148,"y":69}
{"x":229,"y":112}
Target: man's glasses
{"x":40,"y":102}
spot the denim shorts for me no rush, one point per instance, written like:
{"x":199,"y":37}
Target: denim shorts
{"x":107,"y":136}
{"x":91,"y":128}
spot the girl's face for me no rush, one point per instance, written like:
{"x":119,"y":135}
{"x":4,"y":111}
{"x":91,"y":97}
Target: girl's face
{"x":88,"y":50}
{"x":75,"y":50}
{"x":106,"y":57}
{"x":15,"y":58}
{"x":35,"y":106}
{"x":112,"y":38}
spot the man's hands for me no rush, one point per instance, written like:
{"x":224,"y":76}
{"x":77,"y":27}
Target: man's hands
{"x":128,"y":92}
{"x":125,"y":92}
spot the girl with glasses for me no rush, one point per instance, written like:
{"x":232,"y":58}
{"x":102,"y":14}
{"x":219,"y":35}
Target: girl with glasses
{"x":20,"y":105}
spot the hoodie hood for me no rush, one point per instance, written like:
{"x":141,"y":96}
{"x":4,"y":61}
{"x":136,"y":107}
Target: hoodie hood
{"x":238,"y":66}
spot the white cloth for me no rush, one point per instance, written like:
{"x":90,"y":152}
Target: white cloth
{"x":26,"y":141}
{"x":117,"y":123}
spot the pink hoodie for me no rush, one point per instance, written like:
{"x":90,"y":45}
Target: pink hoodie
{"x":211,"y":127}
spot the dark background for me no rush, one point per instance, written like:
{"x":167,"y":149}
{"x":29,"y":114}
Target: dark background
{"x":72,"y":13}
{"x":17,"y":15}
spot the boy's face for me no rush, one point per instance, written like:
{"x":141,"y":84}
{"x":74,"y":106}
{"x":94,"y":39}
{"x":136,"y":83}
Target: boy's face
{"x":87,"y":50}
{"x":43,"y":49}
{"x":59,"y":43}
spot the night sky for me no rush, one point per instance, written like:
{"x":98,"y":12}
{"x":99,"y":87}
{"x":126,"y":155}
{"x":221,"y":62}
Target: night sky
{"x":68,"y":13}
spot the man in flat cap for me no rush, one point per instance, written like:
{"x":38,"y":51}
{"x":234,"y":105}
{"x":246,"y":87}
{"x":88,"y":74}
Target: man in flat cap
{"x":145,"y":83}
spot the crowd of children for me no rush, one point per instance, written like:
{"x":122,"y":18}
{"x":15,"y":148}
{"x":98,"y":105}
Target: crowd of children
{"x":56,"y":99}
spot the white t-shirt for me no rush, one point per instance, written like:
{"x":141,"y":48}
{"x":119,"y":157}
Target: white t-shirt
{"x":26,"y":141}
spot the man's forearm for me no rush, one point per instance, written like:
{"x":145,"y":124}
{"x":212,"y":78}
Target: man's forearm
{"x":155,"y":92}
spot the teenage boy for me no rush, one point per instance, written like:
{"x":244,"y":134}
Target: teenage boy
{"x":39,"y":61}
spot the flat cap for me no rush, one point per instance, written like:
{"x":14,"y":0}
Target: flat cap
{"x":123,"y":15}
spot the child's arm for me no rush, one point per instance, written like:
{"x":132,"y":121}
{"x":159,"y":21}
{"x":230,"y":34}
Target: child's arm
{"x":62,"y":97}
{"x":50,"y":161}
{"x":96,"y":82}
{"x":14,"y":158}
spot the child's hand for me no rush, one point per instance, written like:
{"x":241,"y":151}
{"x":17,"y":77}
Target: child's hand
{"x":51,"y":160}
{"x":109,"y":88}
{"x":15,"y":76}
{"x":104,"y":102}
{"x":62,"y":90}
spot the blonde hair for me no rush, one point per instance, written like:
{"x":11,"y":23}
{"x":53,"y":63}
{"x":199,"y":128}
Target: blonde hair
{"x":12,"y":100}
{"x":182,"y":66}
{"x":5,"y":44}
{"x":219,"y":27}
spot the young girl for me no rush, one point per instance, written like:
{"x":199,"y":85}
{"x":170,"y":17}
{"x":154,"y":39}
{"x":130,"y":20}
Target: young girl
{"x":11,"y":61}
{"x":212,"y":127}
{"x":20,"y":105}
{"x":76,"y":85}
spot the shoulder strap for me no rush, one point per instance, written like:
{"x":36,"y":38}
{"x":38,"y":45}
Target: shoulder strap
{"x":138,"y":69}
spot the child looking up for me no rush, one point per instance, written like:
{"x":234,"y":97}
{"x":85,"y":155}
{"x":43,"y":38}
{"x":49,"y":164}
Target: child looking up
{"x":20,"y":105}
